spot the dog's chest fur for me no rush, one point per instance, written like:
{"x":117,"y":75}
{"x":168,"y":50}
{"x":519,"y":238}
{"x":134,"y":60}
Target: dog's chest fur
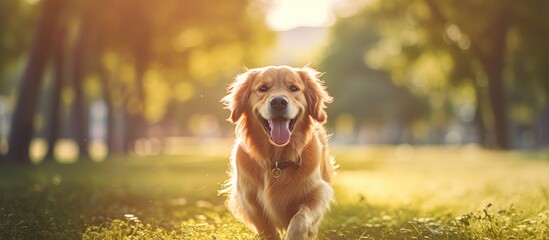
{"x":279,"y":197}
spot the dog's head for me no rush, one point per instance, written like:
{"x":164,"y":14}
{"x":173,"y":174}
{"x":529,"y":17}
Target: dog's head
{"x":278,"y":98}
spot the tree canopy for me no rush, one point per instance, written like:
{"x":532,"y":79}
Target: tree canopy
{"x":143,"y":57}
{"x":489,"y":56}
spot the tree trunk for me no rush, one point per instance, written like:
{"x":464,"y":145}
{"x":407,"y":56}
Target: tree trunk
{"x":79,"y":107}
{"x":52,"y":132}
{"x":106,"y":89}
{"x":479,"y":121}
{"x":22,"y":128}
{"x":135,"y":123}
{"x":140,"y":67}
{"x":129,"y":127}
{"x":494,"y":65}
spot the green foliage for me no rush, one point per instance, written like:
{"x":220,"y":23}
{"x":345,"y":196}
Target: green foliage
{"x":161,"y":55}
{"x":351,"y":80}
{"x":146,"y":57}
{"x":16,"y":28}
{"x":16,"y":21}
{"x":435,"y":50}
{"x":175,"y":197}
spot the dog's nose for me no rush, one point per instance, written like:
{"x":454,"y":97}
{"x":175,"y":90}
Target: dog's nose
{"x":279,"y":103}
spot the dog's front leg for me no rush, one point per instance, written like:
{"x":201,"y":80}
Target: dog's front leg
{"x":253,"y":214}
{"x":304,"y":224}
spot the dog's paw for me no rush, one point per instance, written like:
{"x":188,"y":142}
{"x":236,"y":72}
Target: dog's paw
{"x":294,"y":234}
{"x":300,"y":228}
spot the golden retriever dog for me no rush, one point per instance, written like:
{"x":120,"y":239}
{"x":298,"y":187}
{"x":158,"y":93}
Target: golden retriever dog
{"x":280,"y":166}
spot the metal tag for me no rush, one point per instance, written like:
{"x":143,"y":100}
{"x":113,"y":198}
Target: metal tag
{"x":276,"y":172}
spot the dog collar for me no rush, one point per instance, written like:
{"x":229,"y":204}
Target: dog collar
{"x":276,"y":169}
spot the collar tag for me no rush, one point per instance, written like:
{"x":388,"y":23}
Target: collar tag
{"x":276,"y":172}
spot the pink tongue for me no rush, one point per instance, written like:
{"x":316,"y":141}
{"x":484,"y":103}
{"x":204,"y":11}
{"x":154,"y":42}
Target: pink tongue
{"x":280,"y":130}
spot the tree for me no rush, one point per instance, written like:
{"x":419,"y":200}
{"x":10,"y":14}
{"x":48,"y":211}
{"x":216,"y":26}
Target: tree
{"x":132,"y":49}
{"x":80,"y":108}
{"x":22,"y":123}
{"x":351,"y":80}
{"x":478,"y":46}
{"x":173,"y":47}
{"x":17,"y":20}
{"x":52,"y":132}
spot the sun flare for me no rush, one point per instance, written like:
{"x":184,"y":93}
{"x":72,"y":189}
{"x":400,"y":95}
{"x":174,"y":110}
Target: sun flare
{"x":288,"y":14}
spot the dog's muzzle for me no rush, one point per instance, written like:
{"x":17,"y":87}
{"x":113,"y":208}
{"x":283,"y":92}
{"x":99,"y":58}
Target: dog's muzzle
{"x":279,"y":126}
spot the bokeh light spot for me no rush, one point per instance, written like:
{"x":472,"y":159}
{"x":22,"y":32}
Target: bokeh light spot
{"x":37,"y":150}
{"x":66,"y":151}
{"x":98,"y":150}
{"x":453,"y":139}
{"x":404,"y":152}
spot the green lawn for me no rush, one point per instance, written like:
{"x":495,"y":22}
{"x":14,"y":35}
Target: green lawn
{"x":381,"y":193}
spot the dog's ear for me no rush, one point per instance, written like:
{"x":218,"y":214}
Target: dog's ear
{"x":315,"y":93}
{"x":237,"y":95}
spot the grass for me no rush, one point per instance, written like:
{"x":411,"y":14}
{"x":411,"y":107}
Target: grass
{"x":381,"y":193}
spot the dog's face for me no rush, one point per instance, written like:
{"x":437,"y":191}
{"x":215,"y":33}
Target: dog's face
{"x":278,"y":98}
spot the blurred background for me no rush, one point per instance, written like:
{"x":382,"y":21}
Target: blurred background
{"x":85,"y":79}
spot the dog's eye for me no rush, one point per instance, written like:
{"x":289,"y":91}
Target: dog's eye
{"x":263,"y":88}
{"x":293,"y":88}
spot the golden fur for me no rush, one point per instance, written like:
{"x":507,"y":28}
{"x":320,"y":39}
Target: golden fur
{"x":297,"y":200}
